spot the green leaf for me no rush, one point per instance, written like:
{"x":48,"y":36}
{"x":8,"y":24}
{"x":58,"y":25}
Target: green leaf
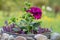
{"x":27,"y":4}
{"x":35,"y":24}
{"x":13,"y":19}
{"x":36,"y":28}
{"x":29,"y":18}
{"x":23,"y":23}
{"x":23,"y":27}
{"x":15,"y":29}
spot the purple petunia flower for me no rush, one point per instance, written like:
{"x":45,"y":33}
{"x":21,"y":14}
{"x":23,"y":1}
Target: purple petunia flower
{"x":36,"y":12}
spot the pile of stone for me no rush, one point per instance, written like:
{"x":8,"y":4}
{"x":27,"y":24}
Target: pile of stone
{"x":5,"y":36}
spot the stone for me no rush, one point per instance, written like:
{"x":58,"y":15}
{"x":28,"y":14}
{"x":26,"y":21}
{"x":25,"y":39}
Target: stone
{"x":30,"y":38}
{"x":20,"y":38}
{"x":55,"y":36}
{"x":0,"y":36}
{"x":5,"y":36}
{"x":40,"y":37}
{"x":11,"y":37}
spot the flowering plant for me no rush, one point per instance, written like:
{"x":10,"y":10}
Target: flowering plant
{"x":27,"y":25}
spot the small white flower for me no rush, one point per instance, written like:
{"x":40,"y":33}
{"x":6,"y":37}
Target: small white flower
{"x":48,"y":8}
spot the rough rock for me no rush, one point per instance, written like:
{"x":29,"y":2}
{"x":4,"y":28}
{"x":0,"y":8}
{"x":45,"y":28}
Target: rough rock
{"x":55,"y":36}
{"x":20,"y":38}
{"x":41,"y":37}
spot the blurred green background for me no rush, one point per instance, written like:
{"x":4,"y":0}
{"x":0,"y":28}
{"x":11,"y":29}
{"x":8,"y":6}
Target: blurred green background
{"x":50,"y":17}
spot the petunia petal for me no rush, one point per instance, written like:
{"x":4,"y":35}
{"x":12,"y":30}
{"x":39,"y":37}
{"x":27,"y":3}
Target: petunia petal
{"x":36,"y":12}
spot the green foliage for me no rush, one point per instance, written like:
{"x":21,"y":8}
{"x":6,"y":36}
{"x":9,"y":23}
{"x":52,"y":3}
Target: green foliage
{"x":13,"y":19}
{"x":27,"y":23}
